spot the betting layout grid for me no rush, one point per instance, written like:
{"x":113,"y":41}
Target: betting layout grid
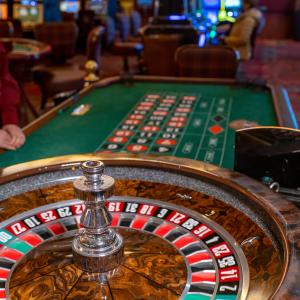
{"x":214,"y":267}
{"x":184,"y":125}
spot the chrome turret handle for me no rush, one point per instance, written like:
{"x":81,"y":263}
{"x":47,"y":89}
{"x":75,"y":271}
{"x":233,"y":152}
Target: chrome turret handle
{"x":98,"y":248}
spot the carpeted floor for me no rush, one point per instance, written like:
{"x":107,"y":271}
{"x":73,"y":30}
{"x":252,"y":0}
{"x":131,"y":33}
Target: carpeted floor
{"x":276,"y":62}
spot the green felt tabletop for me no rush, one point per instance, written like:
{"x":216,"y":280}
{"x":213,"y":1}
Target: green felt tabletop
{"x":68,"y":134}
{"x":21,"y":47}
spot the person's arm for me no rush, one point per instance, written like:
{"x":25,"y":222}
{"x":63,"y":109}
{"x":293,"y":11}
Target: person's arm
{"x":6,"y":141}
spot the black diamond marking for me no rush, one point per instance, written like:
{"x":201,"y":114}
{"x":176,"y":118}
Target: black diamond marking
{"x":202,"y":288}
{"x":192,"y":249}
{"x":2,"y":284}
{"x":44,"y":233}
{"x":70,"y":224}
{"x":218,"y":118}
{"x":173,"y":235}
{"x":6,"y":264}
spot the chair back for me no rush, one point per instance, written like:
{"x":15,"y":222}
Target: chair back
{"x":159,"y":50}
{"x":6,"y":28}
{"x":207,"y":62}
{"x":61,"y":36}
{"x":94,"y":44}
{"x":67,"y":17}
{"x":135,"y":22}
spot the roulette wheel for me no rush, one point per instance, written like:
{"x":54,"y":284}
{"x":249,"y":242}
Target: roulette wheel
{"x":178,"y":229}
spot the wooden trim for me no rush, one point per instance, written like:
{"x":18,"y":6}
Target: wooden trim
{"x":282,"y":106}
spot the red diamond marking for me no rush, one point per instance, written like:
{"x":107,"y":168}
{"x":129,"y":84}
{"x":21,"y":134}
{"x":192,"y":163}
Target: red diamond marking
{"x":216,"y":129}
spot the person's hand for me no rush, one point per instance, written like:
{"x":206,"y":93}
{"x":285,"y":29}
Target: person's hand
{"x":16,"y":134}
{"x":5,"y":140}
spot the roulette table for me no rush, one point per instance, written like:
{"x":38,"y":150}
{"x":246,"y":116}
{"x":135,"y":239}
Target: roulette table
{"x":191,"y":230}
{"x":21,"y":49}
{"x":183,"y":117}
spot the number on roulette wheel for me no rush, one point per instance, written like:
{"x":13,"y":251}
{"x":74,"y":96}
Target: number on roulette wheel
{"x":170,"y":229}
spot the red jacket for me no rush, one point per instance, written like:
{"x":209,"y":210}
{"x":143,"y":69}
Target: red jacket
{"x":9,"y":92}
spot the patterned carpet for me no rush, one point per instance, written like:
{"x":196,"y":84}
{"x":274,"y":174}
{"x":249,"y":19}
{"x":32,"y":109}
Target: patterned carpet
{"x":277,"y":62}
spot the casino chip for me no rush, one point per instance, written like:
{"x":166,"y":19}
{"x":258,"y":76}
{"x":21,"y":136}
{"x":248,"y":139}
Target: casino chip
{"x":242,"y":124}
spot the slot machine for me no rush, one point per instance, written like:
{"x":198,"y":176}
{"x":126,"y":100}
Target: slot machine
{"x":211,"y":10}
{"x":30,"y":12}
{"x":70,"y":6}
{"x":144,"y":3}
{"x":3,"y":10}
{"x":98,"y":6}
{"x":169,"y":8}
{"x":230,"y":10}
{"x":233,"y":7}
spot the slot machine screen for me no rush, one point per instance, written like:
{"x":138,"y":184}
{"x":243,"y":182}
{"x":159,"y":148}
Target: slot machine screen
{"x":143,"y":3}
{"x":70,"y":6}
{"x":233,"y":7}
{"x":211,"y":9}
{"x":233,"y":3}
{"x":98,"y":6}
{"x":211,"y":4}
{"x":3,"y":10}
{"x":30,"y":12}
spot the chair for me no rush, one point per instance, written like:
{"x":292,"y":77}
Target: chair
{"x":94,"y":45}
{"x":207,"y":62}
{"x":67,"y":17}
{"x":63,"y":76}
{"x":159,"y":50}
{"x":6,"y":28}
{"x":61,"y":36}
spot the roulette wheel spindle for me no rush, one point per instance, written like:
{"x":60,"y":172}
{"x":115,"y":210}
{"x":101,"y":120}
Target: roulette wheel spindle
{"x":97,"y":249}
